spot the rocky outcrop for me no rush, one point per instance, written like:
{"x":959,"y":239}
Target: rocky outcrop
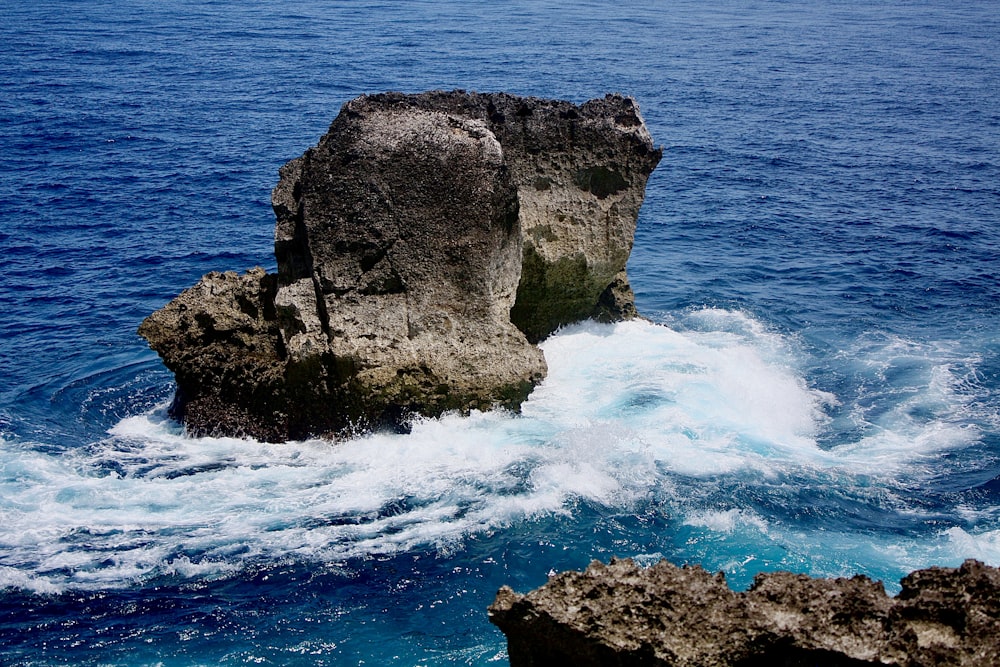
{"x":580,"y":173}
{"x":399,"y":257}
{"x":221,"y":340}
{"x":621,"y":615}
{"x":422,"y":246}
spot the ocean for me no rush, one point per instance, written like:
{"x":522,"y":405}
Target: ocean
{"x":815,"y":388}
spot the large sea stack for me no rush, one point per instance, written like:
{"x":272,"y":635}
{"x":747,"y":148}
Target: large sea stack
{"x":621,"y":615}
{"x":423,"y":247}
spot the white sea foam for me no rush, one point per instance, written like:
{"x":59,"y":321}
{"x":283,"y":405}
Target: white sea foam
{"x":917,"y":399}
{"x":703,"y":402}
{"x":984,"y":546}
{"x":627,"y":409}
{"x":727,"y":521}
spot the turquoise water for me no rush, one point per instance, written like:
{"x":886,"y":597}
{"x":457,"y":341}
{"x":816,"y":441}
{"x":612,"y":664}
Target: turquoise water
{"x":817,"y":387}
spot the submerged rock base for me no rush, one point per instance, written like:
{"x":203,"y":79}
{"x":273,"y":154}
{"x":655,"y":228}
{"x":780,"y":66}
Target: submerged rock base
{"x":423,"y":246}
{"x":620,"y":615}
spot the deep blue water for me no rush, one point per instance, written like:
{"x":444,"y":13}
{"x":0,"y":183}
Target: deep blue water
{"x":819,"y":254}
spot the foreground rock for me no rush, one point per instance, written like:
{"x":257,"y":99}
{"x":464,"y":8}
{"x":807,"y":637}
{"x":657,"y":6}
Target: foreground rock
{"x":621,"y":615}
{"x":422,"y":246}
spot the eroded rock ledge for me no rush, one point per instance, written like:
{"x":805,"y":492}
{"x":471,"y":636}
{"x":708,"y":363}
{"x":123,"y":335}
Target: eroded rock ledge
{"x":620,"y":615}
{"x":423,"y":247}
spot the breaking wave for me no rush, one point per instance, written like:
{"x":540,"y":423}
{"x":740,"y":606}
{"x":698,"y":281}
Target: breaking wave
{"x":714,"y":420}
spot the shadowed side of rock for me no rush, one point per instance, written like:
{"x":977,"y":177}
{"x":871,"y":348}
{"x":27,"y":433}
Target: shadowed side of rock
{"x":581,"y":174}
{"x":622,"y":615}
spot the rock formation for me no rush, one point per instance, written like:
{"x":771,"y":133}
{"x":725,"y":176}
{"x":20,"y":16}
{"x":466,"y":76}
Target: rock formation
{"x":621,"y":615}
{"x":580,"y":173}
{"x":422,"y":247}
{"x":221,"y":340}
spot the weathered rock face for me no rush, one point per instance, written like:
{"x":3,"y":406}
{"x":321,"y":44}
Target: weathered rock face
{"x":221,"y":340}
{"x":620,"y":615}
{"x":399,"y":256}
{"x":420,"y":245}
{"x":580,"y":174}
